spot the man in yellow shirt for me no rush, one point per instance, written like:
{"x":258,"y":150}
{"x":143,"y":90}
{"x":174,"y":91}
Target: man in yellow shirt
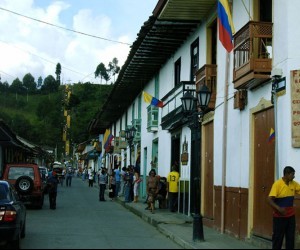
{"x":173,"y":181}
{"x":281,"y":199}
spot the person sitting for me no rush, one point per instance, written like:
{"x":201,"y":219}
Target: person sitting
{"x":162,"y":193}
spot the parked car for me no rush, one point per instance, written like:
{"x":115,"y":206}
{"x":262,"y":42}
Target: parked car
{"x":12,"y":216}
{"x":28,"y":182}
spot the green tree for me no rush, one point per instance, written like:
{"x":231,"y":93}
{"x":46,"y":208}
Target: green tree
{"x":16,"y":86}
{"x":29,"y":83}
{"x":58,"y":73}
{"x":4,"y":86}
{"x":101,"y":72}
{"x":50,"y":85}
{"x":113,"y":67}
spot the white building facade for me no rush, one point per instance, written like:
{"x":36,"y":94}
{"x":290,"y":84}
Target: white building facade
{"x":239,"y":162}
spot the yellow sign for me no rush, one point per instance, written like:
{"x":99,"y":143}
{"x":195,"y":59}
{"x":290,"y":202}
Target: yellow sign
{"x":64,"y":135}
{"x":68,"y":121}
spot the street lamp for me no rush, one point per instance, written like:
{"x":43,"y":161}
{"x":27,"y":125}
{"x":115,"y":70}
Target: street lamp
{"x":189,"y":104}
{"x":129,"y":135}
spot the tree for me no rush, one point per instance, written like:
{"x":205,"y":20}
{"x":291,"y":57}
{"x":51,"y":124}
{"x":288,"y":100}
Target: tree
{"x":58,"y":72}
{"x":4,"y":86}
{"x":50,"y":85}
{"x":16,"y":86}
{"x":113,"y":67}
{"x":101,"y":72}
{"x":29,"y":83}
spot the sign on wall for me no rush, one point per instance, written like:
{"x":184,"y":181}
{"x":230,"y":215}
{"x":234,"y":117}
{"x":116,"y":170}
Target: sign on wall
{"x":295,"y":103}
{"x":185,"y":154}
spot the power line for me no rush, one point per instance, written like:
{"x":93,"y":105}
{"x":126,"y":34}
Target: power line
{"x":6,"y":74}
{"x":46,"y":60}
{"x":82,"y":33}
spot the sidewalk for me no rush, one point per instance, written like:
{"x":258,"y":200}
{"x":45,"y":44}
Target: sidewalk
{"x":179,"y":228}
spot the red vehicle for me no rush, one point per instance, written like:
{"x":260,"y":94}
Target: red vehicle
{"x":27,"y":181}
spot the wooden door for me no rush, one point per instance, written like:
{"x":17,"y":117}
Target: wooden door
{"x":264,"y":167}
{"x":208,"y":178}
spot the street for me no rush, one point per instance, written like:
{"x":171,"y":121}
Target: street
{"x":80,"y":221}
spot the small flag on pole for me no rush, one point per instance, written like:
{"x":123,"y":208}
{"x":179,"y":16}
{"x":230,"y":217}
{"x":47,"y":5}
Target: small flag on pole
{"x":152,"y":100}
{"x":272,"y":135}
{"x":226,"y":28}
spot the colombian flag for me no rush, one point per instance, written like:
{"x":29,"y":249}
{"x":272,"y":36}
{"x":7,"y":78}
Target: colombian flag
{"x":108,"y":137}
{"x":272,"y":135}
{"x":152,"y":100}
{"x":226,"y":28}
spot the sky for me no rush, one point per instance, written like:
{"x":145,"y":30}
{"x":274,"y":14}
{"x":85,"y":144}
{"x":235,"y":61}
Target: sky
{"x":35,"y":35}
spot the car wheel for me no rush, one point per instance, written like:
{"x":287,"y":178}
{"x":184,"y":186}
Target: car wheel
{"x":24,"y":184}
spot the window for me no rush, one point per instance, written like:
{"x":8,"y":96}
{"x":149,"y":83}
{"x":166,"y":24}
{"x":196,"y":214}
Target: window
{"x":177,"y":70}
{"x":194,"y":59}
{"x":16,"y":172}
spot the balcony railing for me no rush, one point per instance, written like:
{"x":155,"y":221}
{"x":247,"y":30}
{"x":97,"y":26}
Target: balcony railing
{"x":137,"y":124}
{"x":252,"y":55}
{"x":152,"y":118}
{"x":207,"y":75}
{"x":172,"y":111}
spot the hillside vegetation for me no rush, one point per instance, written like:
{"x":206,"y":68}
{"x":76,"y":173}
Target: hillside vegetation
{"x":40,"y":119}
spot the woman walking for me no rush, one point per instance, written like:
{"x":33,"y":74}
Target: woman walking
{"x":112,"y":186}
{"x":152,"y":189}
{"x":136,"y":185}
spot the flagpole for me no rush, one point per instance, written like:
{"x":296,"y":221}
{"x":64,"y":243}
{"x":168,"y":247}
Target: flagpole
{"x":224,"y":151}
{"x":226,"y":38}
{"x":276,"y":131}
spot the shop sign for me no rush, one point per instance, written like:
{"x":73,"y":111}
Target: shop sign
{"x":295,"y":104}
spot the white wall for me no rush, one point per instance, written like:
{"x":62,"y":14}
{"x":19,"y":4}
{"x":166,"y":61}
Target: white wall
{"x":286,"y":56}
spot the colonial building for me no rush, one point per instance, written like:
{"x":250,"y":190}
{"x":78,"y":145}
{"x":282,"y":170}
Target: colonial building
{"x":254,"y":96}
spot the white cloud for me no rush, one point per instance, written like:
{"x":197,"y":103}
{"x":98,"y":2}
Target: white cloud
{"x":28,"y":46}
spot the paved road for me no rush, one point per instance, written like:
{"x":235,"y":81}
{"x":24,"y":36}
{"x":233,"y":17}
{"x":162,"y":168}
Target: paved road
{"x":82,"y":222}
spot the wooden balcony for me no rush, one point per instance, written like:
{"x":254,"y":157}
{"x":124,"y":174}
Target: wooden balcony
{"x":207,"y":75}
{"x":119,"y":143}
{"x":252,"y":55}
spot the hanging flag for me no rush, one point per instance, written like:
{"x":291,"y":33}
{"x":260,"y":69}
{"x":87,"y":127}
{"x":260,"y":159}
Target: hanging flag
{"x":272,"y":135}
{"x":226,"y":28}
{"x":108,"y":137}
{"x":152,"y":100}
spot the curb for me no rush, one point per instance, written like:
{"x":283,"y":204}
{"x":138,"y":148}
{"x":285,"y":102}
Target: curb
{"x":160,"y":226}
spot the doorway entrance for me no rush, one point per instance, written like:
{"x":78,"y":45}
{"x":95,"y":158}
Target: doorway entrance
{"x":264,"y":168}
